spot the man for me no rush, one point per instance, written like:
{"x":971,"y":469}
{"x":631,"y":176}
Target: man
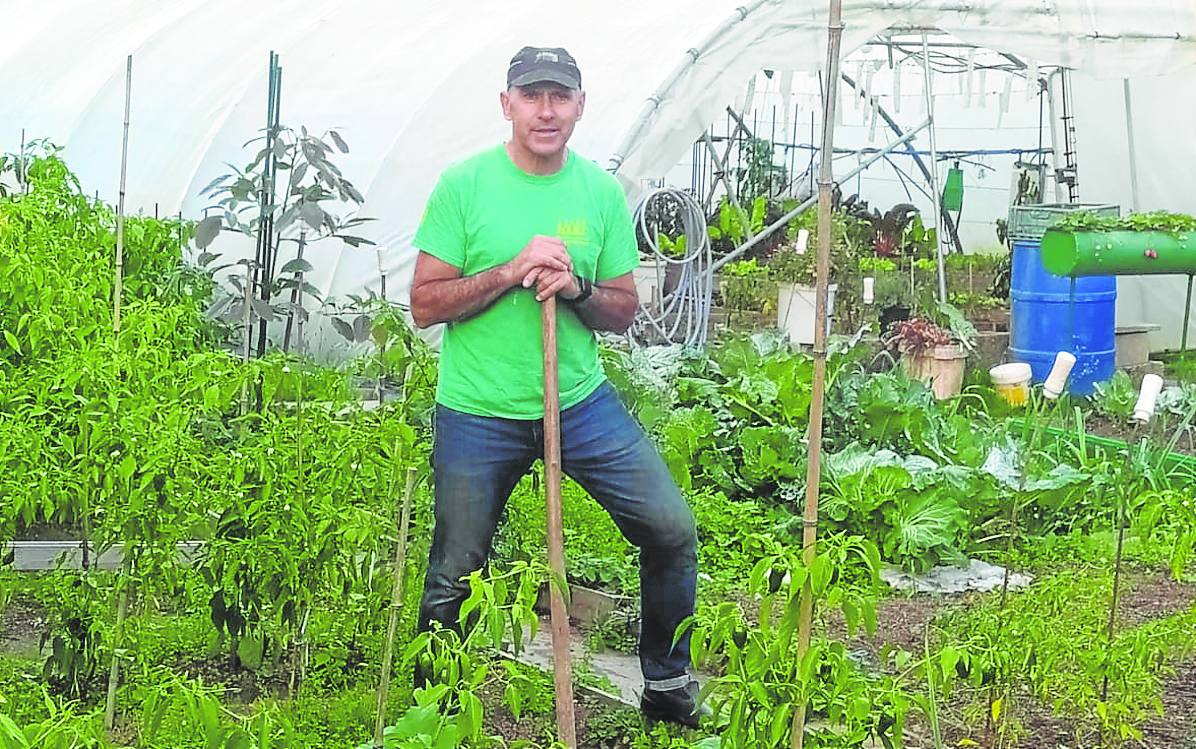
{"x":503,"y":231}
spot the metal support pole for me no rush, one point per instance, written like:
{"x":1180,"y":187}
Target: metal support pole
{"x":1055,"y":151}
{"x":1183,"y":346}
{"x":1129,"y":135}
{"x":934,"y":170}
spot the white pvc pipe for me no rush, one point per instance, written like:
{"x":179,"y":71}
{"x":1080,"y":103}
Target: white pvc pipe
{"x":1057,"y":379}
{"x":1129,"y":135}
{"x":1152,"y":385}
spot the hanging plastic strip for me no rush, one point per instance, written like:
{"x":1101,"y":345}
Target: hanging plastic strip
{"x":968,"y":80}
{"x":859,"y":85}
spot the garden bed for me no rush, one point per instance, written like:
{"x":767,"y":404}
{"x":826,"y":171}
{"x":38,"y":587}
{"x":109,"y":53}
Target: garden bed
{"x":157,"y":435}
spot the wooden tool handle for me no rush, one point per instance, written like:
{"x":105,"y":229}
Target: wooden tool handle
{"x":559,"y":615}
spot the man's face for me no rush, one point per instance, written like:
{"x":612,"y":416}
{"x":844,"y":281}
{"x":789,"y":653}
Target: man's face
{"x":542,"y":115}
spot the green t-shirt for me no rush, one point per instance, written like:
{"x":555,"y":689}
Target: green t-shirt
{"x":481,"y":214}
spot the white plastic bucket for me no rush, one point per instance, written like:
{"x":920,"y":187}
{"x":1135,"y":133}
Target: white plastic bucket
{"x":795,"y":311}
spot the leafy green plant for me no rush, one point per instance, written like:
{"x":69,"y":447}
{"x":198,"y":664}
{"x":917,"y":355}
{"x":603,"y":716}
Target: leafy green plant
{"x":1049,"y":642}
{"x":498,"y":613}
{"x":762,"y":176}
{"x":674,"y":248}
{"x":428,"y":724}
{"x":916,"y":336}
{"x":285,"y":195}
{"x":762,"y":681}
{"x":735,"y":224}
{"x":1161,"y":221}
{"x":745,"y":286}
{"x":1170,"y":514}
{"x":75,"y":640}
{"x":62,"y":728}
{"x":907,"y":507}
{"x":1116,"y":397}
{"x":962,"y":331}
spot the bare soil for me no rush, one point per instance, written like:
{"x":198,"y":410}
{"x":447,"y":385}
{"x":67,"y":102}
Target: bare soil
{"x":900,"y":622}
{"x":241,"y":684}
{"x":1104,"y":426}
{"x":21,"y":625}
{"x":1177,"y":728}
{"x":1147,"y":597}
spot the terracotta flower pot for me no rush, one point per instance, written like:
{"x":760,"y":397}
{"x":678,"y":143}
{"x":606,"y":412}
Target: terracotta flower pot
{"x":941,"y":368}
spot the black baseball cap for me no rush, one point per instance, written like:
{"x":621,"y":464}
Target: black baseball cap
{"x":543,"y":64}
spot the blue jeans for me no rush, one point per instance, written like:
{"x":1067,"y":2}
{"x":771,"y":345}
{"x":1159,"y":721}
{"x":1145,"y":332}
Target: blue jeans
{"x":478,"y":460}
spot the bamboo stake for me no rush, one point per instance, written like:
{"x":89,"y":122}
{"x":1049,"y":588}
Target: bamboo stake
{"x":22,"y":169}
{"x":122,"y":608}
{"x":123,"y":600}
{"x":396,"y":604}
{"x":826,"y":181}
{"x":559,"y":615}
{"x":1116,"y":593}
{"x":247,"y":320}
{"x":382,"y":348}
{"x":120,"y":206}
{"x":296,"y":294}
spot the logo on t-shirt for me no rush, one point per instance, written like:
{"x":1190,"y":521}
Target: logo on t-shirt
{"x":572,"y":231}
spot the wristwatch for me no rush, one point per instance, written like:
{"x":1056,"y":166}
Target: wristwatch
{"x":586,"y":286}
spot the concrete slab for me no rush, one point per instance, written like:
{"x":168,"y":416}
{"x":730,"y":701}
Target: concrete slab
{"x":32,"y":556}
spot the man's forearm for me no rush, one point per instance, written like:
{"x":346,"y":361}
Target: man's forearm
{"x":608,"y":309}
{"x":456,"y":299}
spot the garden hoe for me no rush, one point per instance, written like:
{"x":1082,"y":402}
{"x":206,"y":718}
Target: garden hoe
{"x":559,"y":615}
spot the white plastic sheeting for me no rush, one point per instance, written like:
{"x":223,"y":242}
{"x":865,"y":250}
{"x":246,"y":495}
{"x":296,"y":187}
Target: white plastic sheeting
{"x":1163,"y":107}
{"x":415,"y":87}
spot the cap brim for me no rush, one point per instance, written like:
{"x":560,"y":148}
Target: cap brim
{"x":546,"y":76}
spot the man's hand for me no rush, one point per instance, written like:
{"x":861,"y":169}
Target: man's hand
{"x":541,"y":252}
{"x":550,"y":282}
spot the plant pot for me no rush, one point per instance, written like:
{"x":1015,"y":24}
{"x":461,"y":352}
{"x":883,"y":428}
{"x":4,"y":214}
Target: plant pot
{"x":672,"y":277}
{"x":649,"y":277}
{"x":795,"y":311}
{"x":942,"y":369}
{"x":891,"y":314}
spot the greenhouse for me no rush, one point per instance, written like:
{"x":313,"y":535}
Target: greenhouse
{"x":791,"y":373}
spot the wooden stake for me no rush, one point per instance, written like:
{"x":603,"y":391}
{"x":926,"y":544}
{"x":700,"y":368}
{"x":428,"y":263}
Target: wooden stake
{"x":120,"y":206}
{"x":559,"y":616}
{"x":396,"y":603}
{"x":247,"y":321}
{"x":123,"y":599}
{"x":826,"y":181}
{"x":122,"y":607}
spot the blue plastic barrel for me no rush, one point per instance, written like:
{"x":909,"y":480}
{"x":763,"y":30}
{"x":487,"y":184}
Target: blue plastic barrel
{"x":1050,"y":315}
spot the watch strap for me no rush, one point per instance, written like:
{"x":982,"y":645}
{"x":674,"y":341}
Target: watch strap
{"x":586,"y":287}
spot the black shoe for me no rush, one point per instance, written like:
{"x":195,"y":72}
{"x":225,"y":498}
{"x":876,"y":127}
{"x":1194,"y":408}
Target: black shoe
{"x":678,"y":705}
